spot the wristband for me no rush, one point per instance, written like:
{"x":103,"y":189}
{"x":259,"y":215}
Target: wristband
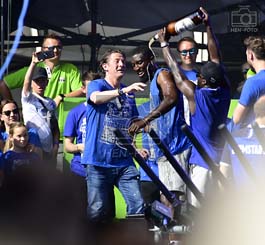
{"x":62,"y":96}
{"x":164,"y":44}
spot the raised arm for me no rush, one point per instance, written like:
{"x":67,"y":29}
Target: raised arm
{"x":213,"y":47}
{"x":212,"y":43}
{"x":182,"y":83}
{"x":28,"y":77}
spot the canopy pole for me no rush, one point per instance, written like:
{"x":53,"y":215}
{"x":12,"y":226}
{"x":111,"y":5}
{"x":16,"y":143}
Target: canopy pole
{"x":94,"y":45}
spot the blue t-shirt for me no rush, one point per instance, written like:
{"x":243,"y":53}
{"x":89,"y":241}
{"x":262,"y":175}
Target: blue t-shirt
{"x":102,"y":147}
{"x":253,"y":88}
{"x":11,"y":160}
{"x":168,"y":126}
{"x":144,"y":109}
{"x":211,"y":110}
{"x":75,"y":126}
{"x":252,"y":150}
{"x":190,"y":74}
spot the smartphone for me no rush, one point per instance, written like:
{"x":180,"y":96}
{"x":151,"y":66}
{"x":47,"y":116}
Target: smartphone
{"x":43,"y":55}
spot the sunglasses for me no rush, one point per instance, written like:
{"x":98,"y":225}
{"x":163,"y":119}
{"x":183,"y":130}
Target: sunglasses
{"x":58,"y":47}
{"x":186,"y":51}
{"x":8,"y":113}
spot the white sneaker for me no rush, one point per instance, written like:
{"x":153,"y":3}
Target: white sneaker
{"x":155,"y":228}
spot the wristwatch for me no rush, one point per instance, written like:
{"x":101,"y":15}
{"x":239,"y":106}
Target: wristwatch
{"x":120,"y":92}
{"x":62,"y":96}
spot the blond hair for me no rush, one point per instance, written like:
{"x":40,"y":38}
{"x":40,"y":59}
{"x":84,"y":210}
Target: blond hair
{"x":9,"y":144}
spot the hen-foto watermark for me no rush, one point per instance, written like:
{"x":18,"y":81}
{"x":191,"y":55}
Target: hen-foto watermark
{"x":244,"y":19}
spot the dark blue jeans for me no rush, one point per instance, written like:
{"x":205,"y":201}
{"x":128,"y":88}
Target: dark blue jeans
{"x":100,"y":191}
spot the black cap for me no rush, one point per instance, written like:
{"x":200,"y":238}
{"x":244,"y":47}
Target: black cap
{"x":212,"y":73}
{"x":39,"y":72}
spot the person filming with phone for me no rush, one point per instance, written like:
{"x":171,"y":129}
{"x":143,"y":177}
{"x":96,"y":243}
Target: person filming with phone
{"x":38,"y":110}
{"x":64,"y":79}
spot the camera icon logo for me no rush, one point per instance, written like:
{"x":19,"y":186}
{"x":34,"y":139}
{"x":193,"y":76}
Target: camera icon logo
{"x":244,"y":17}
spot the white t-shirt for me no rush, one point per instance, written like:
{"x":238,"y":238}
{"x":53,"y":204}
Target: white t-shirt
{"x":37,"y":112}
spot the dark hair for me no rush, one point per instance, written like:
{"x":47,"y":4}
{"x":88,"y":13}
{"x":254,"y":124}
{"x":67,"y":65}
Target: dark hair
{"x":257,"y":45}
{"x":145,"y":51}
{"x":52,"y":36}
{"x":187,"y":39}
{"x":213,"y":73}
{"x":106,"y":55}
{"x":89,"y":76}
{"x":3,"y":103}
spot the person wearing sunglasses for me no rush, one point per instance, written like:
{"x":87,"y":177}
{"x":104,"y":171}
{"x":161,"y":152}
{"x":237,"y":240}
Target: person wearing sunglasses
{"x":187,"y":50}
{"x":9,"y":113}
{"x":64,"y":80}
{"x":209,"y":102}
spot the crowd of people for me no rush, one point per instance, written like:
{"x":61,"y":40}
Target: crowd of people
{"x":183,"y":93}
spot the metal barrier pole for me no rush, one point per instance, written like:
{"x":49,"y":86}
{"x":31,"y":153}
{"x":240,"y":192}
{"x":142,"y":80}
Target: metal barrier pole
{"x":125,"y":142}
{"x":176,"y":165}
{"x":235,"y":147}
{"x":212,"y":165}
{"x":259,"y":134}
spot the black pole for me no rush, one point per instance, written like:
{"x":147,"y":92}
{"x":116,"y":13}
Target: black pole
{"x":229,"y":138}
{"x":176,"y":165}
{"x":212,"y":165}
{"x":94,"y":45}
{"x":2,"y":32}
{"x":259,"y":134}
{"x":125,"y":142}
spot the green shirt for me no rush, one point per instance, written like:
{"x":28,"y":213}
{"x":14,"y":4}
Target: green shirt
{"x":65,"y":78}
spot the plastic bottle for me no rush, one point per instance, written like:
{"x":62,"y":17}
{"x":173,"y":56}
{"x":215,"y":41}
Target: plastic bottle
{"x":188,"y":22}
